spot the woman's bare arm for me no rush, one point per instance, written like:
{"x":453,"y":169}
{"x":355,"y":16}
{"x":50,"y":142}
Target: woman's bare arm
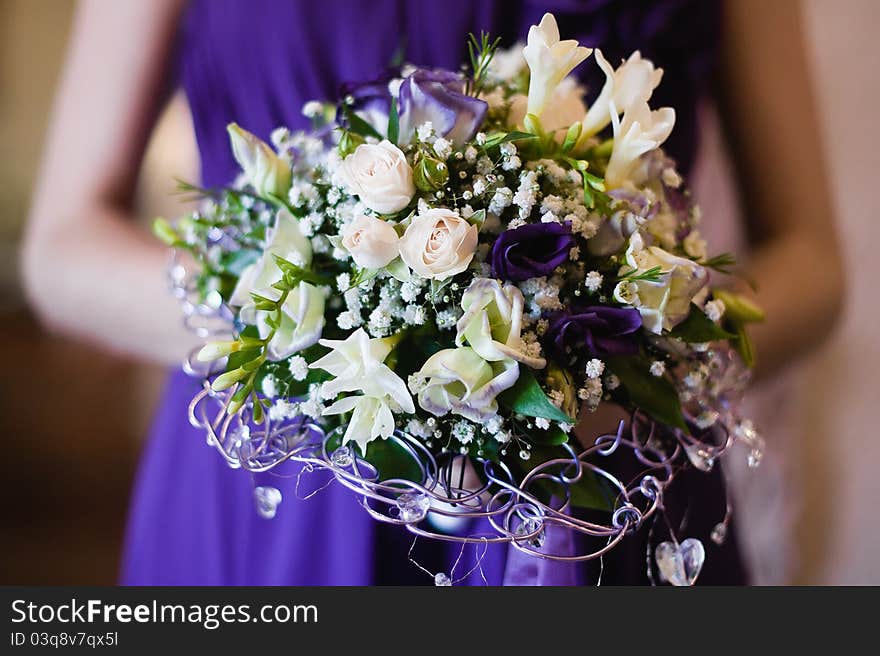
{"x":88,"y":270}
{"x":773,"y":127}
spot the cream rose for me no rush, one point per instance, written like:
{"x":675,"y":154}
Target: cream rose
{"x":492,"y":322}
{"x":663,"y":303}
{"x":438,"y":244}
{"x":372,"y":242}
{"x":460,"y":381}
{"x":380,"y":176}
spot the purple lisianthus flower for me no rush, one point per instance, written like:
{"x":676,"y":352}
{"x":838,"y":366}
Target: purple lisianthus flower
{"x":531,"y":251}
{"x":371,"y":100}
{"x":436,"y":95}
{"x":595,"y":330}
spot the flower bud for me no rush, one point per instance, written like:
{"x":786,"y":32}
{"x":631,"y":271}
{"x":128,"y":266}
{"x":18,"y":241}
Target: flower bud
{"x":430,"y":174}
{"x":228,"y":379}
{"x":348,"y":142}
{"x":739,"y":308}
{"x":216,"y":350}
{"x":265,"y":170}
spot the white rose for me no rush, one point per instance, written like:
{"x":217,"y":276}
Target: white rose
{"x":460,"y":381}
{"x":640,"y":131}
{"x":633,"y":81}
{"x":380,"y":176}
{"x":665,"y":303}
{"x":267,"y":173}
{"x":492,"y":322}
{"x":550,"y":61}
{"x":302,"y":314}
{"x":565,"y":108}
{"x":372,"y":242}
{"x":438,"y":244}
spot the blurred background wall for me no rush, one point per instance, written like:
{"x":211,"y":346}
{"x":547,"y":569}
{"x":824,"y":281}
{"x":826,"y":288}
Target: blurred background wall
{"x":72,"y":417}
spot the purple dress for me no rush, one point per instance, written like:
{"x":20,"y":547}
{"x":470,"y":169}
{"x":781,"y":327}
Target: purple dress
{"x":192,"y":519}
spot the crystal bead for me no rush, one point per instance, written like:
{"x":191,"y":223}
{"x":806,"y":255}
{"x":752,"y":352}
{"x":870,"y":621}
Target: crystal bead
{"x":680,"y":564}
{"x":700,"y":457}
{"x":413,"y":506}
{"x":342,"y":457}
{"x":525,"y":454}
{"x":719,"y":533}
{"x":528,"y":527}
{"x":755,"y":457}
{"x":267,"y":499}
{"x":441,"y":580}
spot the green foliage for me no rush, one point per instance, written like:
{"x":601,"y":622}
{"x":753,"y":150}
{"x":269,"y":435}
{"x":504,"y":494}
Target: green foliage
{"x":527,"y":398}
{"x":393,"y":122}
{"x":698,"y":328}
{"x":652,"y":394}
{"x":480,"y":53}
{"x":721,"y":263}
{"x":358,"y":125}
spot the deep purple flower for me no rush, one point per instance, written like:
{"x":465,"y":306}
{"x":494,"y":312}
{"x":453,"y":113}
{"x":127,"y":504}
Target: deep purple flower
{"x":530,"y":251}
{"x":596,"y":330}
{"x":435,"y":95}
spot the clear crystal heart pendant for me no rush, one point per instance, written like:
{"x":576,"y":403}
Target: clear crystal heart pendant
{"x":680,"y":563}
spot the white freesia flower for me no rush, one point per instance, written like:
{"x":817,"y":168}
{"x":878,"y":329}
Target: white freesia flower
{"x":633,"y":81}
{"x":640,"y":131}
{"x":264,"y":170}
{"x":302,"y":314}
{"x":380,"y":176}
{"x":566,"y":107}
{"x":357,"y":365}
{"x":664,"y":303}
{"x":460,"y":381}
{"x":372,"y":418}
{"x":550,"y":61}
{"x":438,"y":244}
{"x":372,"y":242}
{"x":492,"y":322}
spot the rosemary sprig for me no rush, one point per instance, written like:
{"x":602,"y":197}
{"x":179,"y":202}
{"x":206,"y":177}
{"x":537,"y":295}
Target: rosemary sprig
{"x":481,"y":53}
{"x":651,"y":275}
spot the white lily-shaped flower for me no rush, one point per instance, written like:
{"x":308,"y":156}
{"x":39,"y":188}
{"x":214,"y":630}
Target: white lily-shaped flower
{"x":460,"y":381}
{"x":665,"y":302}
{"x":634,"y":80}
{"x":492,"y":322}
{"x":264,"y":169}
{"x":302,"y":314}
{"x":549,"y":60}
{"x":640,"y":131}
{"x":372,"y":417}
{"x":357,"y":364}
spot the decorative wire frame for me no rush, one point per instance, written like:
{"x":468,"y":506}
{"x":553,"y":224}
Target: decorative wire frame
{"x":512,"y":506}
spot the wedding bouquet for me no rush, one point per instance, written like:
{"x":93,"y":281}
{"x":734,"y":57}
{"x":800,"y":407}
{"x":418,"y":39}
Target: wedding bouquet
{"x":466,"y":265}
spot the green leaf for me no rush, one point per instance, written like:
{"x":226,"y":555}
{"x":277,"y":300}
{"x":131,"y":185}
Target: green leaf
{"x":393,"y":122}
{"x":359,"y":125}
{"x":652,"y":394}
{"x":498,"y":138}
{"x":744,"y":346}
{"x":477,"y":218}
{"x":698,"y":328}
{"x":739,"y":308}
{"x":241,"y":358}
{"x":553,"y":437}
{"x":571,"y":137}
{"x":399,"y":270}
{"x":392,"y":461}
{"x":527,"y":398}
